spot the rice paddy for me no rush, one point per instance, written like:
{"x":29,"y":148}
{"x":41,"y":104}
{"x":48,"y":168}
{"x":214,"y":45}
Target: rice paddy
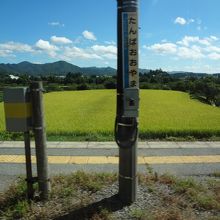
{"x":162,"y":113}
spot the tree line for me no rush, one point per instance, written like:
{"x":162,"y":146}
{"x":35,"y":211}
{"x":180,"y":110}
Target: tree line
{"x":204,"y":88}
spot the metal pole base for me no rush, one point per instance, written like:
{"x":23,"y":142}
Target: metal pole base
{"x":127,"y":189}
{"x":127,"y":174}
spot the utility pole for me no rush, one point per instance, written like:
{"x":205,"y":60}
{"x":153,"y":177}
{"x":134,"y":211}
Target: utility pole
{"x":36,"y":90}
{"x":126,"y":125}
{"x":30,"y":179}
{"x":18,"y":118}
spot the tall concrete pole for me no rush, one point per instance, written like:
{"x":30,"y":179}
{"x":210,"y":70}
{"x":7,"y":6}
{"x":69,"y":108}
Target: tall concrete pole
{"x":36,"y":90}
{"x":126,"y":125}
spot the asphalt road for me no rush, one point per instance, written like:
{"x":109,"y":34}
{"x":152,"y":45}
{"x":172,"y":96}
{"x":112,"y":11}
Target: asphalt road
{"x":178,"y":158}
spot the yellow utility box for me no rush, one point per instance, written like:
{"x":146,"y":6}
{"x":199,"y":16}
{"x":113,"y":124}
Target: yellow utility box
{"x":18,"y":111}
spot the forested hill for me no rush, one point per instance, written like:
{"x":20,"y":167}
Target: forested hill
{"x":61,"y":68}
{"x":56,"y":68}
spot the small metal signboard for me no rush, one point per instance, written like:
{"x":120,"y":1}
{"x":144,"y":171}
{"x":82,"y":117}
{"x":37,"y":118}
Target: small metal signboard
{"x":17,"y":107}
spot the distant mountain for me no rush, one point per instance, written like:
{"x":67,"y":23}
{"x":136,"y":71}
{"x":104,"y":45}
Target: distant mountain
{"x":144,"y":71}
{"x":183,"y":74}
{"x":216,"y":74}
{"x":98,"y":70}
{"x":56,"y":68}
{"x":62,"y":68}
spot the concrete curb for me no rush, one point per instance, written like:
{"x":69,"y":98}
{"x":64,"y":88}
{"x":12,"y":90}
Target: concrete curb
{"x":112,"y":145}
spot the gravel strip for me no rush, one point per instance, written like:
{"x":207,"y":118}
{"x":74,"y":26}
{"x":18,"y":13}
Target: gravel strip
{"x":147,"y":201}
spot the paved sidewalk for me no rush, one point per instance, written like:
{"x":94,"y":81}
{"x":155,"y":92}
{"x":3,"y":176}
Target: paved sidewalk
{"x":110,"y":145}
{"x":177,"y":158}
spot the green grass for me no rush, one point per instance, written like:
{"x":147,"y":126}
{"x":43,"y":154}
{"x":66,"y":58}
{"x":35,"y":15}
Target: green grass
{"x":68,"y":192}
{"x":90,"y":115}
{"x":82,"y":195}
{"x":1,"y":96}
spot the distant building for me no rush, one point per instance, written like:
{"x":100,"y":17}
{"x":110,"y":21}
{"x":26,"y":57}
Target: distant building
{"x":14,"y":77}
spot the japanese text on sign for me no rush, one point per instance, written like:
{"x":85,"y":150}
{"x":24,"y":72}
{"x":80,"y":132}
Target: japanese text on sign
{"x":130,"y":50}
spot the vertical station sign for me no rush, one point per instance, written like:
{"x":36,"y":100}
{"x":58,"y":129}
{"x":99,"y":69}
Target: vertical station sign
{"x":130,"y":63}
{"x":130,"y":49}
{"x":126,"y":123}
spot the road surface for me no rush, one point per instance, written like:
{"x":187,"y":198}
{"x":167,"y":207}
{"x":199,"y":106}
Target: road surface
{"x":178,"y":158}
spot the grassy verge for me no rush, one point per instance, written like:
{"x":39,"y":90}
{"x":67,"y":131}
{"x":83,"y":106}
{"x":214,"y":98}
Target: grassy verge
{"x":68,"y":192}
{"x":109,"y":136}
{"x":83,"y":196}
{"x":182,"y":198}
{"x":1,"y":96}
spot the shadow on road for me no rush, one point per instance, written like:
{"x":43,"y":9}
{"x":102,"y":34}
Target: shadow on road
{"x":111,"y":204}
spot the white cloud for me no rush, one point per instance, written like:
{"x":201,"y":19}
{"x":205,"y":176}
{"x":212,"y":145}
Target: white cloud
{"x":47,"y":47}
{"x":187,"y":40}
{"x":109,"y":52}
{"x":110,"y":42}
{"x":179,"y":20}
{"x":183,"y":21}
{"x":213,"y":38}
{"x":89,"y":35}
{"x":214,"y":56}
{"x":5,"y":53}
{"x":69,"y":53}
{"x":189,"y":47}
{"x":56,"y":23}
{"x":15,"y":46}
{"x":109,"y":56}
{"x":190,"y":53}
{"x":76,"y":52}
{"x":204,"y":42}
{"x":9,"y":48}
{"x":105,"y":49}
{"x":213,"y":48}
{"x":97,"y":52}
{"x":60,"y":40}
{"x":182,"y":49}
{"x":164,"y":48}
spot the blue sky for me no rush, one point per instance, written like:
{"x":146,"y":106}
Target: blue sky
{"x":174,"y":34}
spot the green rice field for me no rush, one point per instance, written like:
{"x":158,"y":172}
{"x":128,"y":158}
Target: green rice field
{"x":90,"y":115}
